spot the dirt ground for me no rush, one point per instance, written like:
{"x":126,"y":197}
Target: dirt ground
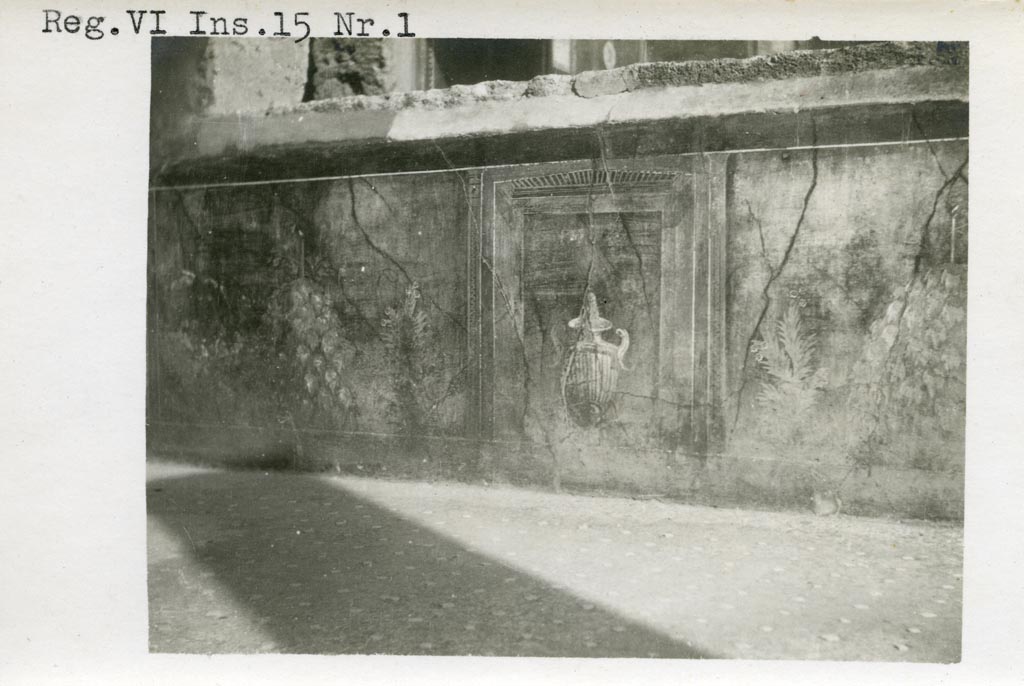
{"x":254,"y":562}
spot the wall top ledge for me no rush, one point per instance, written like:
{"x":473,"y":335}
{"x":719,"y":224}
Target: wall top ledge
{"x":635,"y":77}
{"x":802,"y":81}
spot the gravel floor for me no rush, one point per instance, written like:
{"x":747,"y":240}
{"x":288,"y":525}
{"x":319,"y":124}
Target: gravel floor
{"x":246,"y":562}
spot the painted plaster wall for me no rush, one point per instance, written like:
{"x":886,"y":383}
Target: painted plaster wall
{"x":841,"y":262}
{"x":868,"y":245}
{"x":222,"y":257}
{"x":866,"y":248}
{"x":259,"y":293}
{"x":835,"y":235}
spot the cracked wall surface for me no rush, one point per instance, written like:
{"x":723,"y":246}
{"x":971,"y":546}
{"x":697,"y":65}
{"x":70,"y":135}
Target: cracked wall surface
{"x":835,"y":233}
{"x":842,"y":240}
{"x":877,"y":217}
{"x":363,"y":242}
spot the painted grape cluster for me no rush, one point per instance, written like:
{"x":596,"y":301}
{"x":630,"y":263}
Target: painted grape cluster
{"x":312,"y":345}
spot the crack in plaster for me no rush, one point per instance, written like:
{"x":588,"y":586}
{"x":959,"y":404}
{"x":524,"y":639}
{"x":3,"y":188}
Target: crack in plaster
{"x":931,"y":148}
{"x":510,"y":310}
{"x":180,"y":197}
{"x":774,"y":274}
{"x":923,"y":241}
{"x":920,"y":256}
{"x":625,"y":224}
{"x":390,"y":258}
{"x":487,"y":263}
{"x":306,"y":221}
{"x":760,"y":233}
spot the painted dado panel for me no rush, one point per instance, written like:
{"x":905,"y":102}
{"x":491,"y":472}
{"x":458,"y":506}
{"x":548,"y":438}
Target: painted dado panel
{"x":645,"y":237}
{"x":701,"y":259}
{"x":233,"y":266}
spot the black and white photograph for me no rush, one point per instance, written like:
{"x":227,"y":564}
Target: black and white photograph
{"x":566,"y":348}
{"x":532,"y":343}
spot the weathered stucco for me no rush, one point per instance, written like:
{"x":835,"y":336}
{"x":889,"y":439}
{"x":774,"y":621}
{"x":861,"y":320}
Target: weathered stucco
{"x":458,"y":114}
{"x":859,"y":244}
{"x":199,"y":77}
{"x":657,"y":92}
{"x":340,"y":67}
{"x":779,"y":66}
{"x":222,"y":257}
{"x":831,"y":191}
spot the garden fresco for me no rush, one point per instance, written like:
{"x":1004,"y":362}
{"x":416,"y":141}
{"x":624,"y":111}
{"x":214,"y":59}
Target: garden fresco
{"x":345,"y":308}
{"x":331,"y":306}
{"x":847,"y":315}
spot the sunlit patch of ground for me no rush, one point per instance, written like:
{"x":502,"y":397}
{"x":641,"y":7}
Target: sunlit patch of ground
{"x":737,"y":583}
{"x":189,"y":607}
{"x":244,"y":562}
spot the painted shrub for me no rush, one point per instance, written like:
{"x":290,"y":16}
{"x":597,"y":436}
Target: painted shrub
{"x":847,"y":271}
{"x":277,"y":304}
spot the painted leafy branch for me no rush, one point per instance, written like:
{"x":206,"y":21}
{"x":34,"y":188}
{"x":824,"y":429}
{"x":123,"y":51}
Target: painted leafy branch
{"x":404,"y":332}
{"x":910,"y":381}
{"x":786,"y":354}
{"x":423,"y":383}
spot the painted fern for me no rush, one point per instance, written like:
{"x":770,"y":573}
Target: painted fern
{"x":786,"y":354}
{"x":404,"y":332}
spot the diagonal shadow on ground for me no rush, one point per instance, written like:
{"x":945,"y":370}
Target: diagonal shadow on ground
{"x":327,"y":572}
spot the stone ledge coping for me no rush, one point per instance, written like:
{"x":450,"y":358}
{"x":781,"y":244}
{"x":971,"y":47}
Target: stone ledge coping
{"x":240,"y":134}
{"x":634,"y":77}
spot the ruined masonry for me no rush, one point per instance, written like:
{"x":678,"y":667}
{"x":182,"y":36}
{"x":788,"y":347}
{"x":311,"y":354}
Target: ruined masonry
{"x":740,"y":281}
